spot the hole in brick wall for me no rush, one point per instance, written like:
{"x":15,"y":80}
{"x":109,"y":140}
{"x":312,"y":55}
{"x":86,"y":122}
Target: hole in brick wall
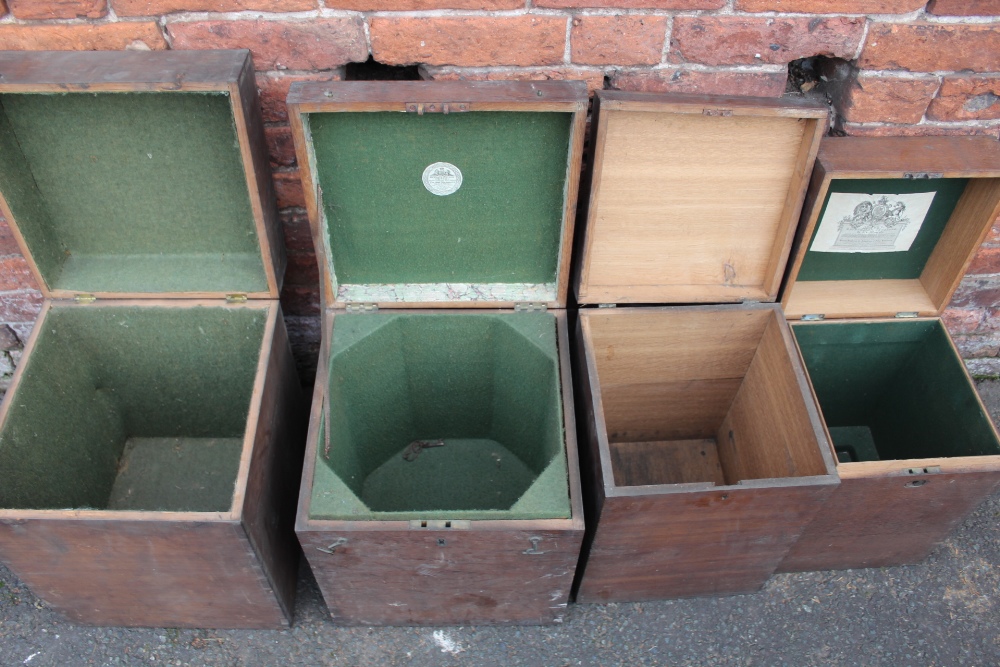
{"x":372,"y":70}
{"x":821,"y":78}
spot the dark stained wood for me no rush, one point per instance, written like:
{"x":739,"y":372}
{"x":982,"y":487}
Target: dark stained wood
{"x":880,"y":521}
{"x":389,"y":573}
{"x":54,"y":71}
{"x":666,"y":462}
{"x":479,"y":95}
{"x":894,"y":157}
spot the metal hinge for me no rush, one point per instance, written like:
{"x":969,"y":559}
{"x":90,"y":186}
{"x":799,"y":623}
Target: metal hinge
{"x":812,"y":317}
{"x":607,"y":305}
{"x":717,"y":112}
{"x":421,"y":108}
{"x":236,"y":298}
{"x":922,"y":175}
{"x":362,"y":308}
{"x":530,"y":308}
{"x":908,"y":313}
{"x":750,"y":302}
{"x":85,"y":298}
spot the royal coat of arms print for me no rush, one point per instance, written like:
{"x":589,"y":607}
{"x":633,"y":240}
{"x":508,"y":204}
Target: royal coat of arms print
{"x":858,"y":222}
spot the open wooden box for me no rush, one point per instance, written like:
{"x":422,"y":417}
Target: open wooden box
{"x":705,"y":455}
{"x":441,"y":483}
{"x":890,"y":227}
{"x":148,"y":443}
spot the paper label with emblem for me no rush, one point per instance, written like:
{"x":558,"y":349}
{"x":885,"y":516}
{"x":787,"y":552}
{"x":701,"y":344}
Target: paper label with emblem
{"x":442,"y":178}
{"x":858,"y":222}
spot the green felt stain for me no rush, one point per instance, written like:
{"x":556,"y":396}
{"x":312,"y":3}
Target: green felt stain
{"x":902,"y":383}
{"x":130,"y":192}
{"x":503,"y":225}
{"x":102,"y":375}
{"x":485,"y":384}
{"x":886,"y":265}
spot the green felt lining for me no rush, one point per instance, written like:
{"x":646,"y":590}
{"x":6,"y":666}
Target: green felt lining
{"x":102,"y":375}
{"x":485,"y":384}
{"x":903,"y":382}
{"x":886,"y":265}
{"x":130,"y":192}
{"x":384,"y":227}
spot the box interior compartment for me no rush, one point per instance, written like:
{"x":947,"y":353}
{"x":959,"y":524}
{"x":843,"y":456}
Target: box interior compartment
{"x":920,"y":279}
{"x":700,"y":396}
{"x":132,"y":408}
{"x":894,"y":390}
{"x":497,"y":238}
{"x":130,"y":192}
{"x":442,"y":416}
{"x":689,"y":207}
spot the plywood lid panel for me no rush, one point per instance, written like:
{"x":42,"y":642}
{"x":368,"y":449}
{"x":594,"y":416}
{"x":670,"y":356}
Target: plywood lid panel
{"x":694,"y":199}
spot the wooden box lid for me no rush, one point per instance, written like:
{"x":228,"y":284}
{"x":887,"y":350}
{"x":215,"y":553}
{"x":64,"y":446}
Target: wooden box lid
{"x":891,"y":224}
{"x":138,"y":174}
{"x":693,"y":198}
{"x":441,"y":193}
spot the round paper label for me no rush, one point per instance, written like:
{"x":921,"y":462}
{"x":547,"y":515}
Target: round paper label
{"x":442,"y":178}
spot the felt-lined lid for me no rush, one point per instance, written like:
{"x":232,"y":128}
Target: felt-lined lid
{"x":135,"y":174}
{"x":441,"y":193}
{"x":891,"y":225}
{"x":693,"y":198}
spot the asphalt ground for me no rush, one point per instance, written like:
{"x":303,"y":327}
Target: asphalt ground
{"x":942,"y":612}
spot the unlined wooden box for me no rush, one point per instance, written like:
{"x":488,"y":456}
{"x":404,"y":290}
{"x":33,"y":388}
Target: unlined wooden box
{"x":149,"y":446}
{"x":917,"y":451}
{"x":705,"y":456}
{"x":441,"y":484}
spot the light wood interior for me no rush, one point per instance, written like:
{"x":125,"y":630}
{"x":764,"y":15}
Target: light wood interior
{"x":929,"y":295}
{"x":687,"y":207}
{"x":673,"y":382}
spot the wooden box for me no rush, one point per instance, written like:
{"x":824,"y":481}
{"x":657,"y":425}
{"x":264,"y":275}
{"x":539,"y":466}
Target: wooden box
{"x":148,"y":444}
{"x":705,"y":456}
{"x":441,"y":483}
{"x":890,"y":227}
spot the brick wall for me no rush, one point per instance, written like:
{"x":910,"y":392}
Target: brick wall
{"x":891,"y":67}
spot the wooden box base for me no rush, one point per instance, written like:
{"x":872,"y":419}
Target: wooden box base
{"x":917,"y":450}
{"x":704,"y":456}
{"x":435,"y":563}
{"x":146,"y":493}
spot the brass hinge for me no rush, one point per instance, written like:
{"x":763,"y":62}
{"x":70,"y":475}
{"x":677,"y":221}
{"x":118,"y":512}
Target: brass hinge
{"x":530,"y":308}
{"x":922,"y":175}
{"x":236,"y":298}
{"x":908,"y":313}
{"x":421,"y":108}
{"x":85,"y":298}
{"x":813,"y":317}
{"x":607,"y":305}
{"x":362,"y":308}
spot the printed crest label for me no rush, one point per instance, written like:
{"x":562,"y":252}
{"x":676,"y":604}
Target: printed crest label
{"x":442,"y":178}
{"x":855,"y":222}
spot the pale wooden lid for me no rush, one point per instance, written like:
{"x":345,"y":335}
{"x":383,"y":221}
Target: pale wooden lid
{"x":694,"y":199}
{"x":913,"y":160}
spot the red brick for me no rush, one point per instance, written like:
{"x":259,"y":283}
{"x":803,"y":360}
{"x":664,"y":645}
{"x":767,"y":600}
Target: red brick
{"x":976,"y":347}
{"x":831,"y":6}
{"x":977,"y":291}
{"x":302,"y":269}
{"x":634,"y":4}
{"x":299,"y":300}
{"x":15,"y":274}
{"x":82,"y":37}
{"x":618,"y":40}
{"x":20,"y":306}
{"x":273,"y":87}
{"x":967,"y":98}
{"x":987,"y":260}
{"x":418,"y":5}
{"x":876,"y":99}
{"x":469,"y":42}
{"x":963,"y":320}
{"x":160,"y":7}
{"x":8,"y":244}
{"x":861,"y":130}
{"x":58,"y":9}
{"x":932,"y":47}
{"x":737,"y":40}
{"x":299,"y":45}
{"x":280,"y":146}
{"x":994,"y":236}
{"x":298,"y":233}
{"x":593,"y":77}
{"x":755,"y":84}
{"x":964,"y":7}
{"x":991,"y":321}
{"x":3,"y":8}
{"x":288,"y":189}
